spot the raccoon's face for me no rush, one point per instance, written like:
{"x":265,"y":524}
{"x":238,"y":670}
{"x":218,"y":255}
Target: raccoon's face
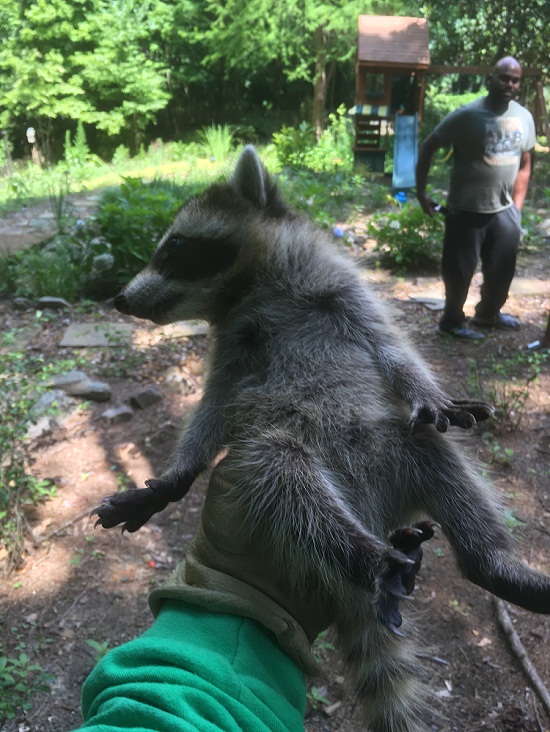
{"x":187,"y":271}
{"x":204,"y":263}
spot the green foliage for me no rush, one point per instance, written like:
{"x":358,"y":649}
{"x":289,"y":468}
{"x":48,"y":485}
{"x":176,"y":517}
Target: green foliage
{"x":497,"y":455}
{"x":407,"y":239}
{"x":77,"y":152}
{"x":69,"y":265}
{"x":101,"y":649}
{"x":480,"y":33}
{"x":20,"y":680}
{"x":293,"y":143}
{"x":216,"y":142}
{"x":325,"y":197}
{"x":317,"y":697}
{"x":297,"y":146}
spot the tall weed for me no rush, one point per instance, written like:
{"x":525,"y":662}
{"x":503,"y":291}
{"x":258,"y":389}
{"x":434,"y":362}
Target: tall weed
{"x":216,"y":142}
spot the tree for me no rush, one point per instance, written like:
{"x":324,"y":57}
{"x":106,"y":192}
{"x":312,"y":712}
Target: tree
{"x":307,"y":37}
{"x":88,"y":60}
{"x":480,"y":33}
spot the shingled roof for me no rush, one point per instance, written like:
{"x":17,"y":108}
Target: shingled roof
{"x":393,"y":40}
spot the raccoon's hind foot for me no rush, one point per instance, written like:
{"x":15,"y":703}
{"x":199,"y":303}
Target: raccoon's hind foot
{"x":464,"y":409}
{"x":135,"y":507}
{"x":398,"y":580}
{"x":456,"y":413}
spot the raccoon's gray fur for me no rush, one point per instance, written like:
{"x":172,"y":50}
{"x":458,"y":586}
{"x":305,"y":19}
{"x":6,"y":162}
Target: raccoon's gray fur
{"x":332,"y":424}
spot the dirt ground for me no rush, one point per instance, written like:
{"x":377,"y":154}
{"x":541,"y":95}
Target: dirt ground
{"x":79,"y":584}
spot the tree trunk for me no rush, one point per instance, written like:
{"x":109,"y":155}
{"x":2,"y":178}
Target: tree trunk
{"x":319,"y":84}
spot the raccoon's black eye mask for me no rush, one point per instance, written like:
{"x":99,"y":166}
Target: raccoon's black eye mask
{"x":189,"y":258}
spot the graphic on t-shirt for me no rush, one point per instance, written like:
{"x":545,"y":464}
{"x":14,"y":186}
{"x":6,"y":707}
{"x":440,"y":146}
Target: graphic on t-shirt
{"x":503,"y":141}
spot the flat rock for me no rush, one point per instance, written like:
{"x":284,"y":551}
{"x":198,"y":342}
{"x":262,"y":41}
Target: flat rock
{"x":145,"y":397}
{"x":76,"y":383}
{"x":116,"y":415}
{"x":186,"y":328}
{"x":94,"y":335}
{"x":54,"y":303}
{"x":48,"y":413}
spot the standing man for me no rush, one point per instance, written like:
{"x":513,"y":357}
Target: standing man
{"x":492,"y":138}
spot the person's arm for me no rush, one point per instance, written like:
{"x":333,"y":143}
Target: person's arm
{"x":425,"y":155}
{"x":522,"y":180}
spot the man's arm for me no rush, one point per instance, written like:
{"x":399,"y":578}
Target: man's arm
{"x":425,"y":155}
{"x":522,"y":180}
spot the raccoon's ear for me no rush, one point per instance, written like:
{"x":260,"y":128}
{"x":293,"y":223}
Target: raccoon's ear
{"x":250,"y":177}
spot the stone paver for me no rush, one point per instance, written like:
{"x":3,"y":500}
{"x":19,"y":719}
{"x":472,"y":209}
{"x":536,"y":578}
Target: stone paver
{"x":94,"y":335}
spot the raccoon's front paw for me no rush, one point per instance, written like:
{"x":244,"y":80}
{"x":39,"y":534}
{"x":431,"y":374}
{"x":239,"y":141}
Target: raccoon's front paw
{"x":133,"y":508}
{"x":398,"y":579}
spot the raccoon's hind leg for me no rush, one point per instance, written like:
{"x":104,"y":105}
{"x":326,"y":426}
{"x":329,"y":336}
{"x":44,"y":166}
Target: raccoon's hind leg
{"x":292,"y":504}
{"x":461,"y":502}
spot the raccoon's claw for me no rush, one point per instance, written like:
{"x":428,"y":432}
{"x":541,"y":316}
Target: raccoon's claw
{"x":133,"y":508}
{"x":398,"y":580}
{"x":465,"y":413}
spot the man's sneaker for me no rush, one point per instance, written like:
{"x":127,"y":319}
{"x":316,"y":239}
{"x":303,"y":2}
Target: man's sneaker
{"x":460,"y":331}
{"x":500,"y":320}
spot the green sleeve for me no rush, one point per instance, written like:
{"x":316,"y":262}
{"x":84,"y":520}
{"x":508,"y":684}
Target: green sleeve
{"x":196,"y":671}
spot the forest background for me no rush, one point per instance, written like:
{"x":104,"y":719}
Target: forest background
{"x":133,"y":71}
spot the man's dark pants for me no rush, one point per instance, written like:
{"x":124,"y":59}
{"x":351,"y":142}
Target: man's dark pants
{"x":469,"y":237}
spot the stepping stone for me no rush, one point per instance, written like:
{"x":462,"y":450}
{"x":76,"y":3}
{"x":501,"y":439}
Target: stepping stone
{"x":186,"y":328}
{"x":94,"y":335}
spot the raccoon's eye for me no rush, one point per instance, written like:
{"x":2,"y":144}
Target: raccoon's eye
{"x":175,"y":241}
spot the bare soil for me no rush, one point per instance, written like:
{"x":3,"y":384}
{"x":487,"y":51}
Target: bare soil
{"x":78,"y":584}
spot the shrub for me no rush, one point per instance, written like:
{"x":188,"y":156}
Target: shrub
{"x":297,"y":147}
{"x":407,"y":239}
{"x":325,"y":197}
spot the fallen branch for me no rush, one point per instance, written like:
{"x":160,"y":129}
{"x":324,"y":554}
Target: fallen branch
{"x":519,"y":650}
{"x":61,"y":528}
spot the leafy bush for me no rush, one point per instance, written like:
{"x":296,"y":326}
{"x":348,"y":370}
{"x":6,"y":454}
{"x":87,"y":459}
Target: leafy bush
{"x":68,"y":265}
{"x":293,"y":143}
{"x":325,"y":197}
{"x":298,"y":148}
{"x":407,"y":239}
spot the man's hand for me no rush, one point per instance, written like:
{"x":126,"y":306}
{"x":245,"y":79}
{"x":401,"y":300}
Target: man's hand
{"x":426,"y":204}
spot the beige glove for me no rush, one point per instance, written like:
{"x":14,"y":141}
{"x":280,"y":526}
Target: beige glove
{"x":222,"y":572}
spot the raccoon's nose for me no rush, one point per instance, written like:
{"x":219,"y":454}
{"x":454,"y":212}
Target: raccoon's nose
{"x":121,"y":303}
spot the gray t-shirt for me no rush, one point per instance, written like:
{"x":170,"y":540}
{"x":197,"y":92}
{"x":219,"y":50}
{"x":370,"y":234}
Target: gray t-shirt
{"x":487,"y":148}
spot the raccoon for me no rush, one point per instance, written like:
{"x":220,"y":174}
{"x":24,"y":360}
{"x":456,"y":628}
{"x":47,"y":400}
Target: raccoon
{"x":332,"y":424}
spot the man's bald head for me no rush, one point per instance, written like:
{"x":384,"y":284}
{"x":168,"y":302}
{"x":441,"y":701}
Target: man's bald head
{"x":508,"y":63}
{"x":504,"y":83}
